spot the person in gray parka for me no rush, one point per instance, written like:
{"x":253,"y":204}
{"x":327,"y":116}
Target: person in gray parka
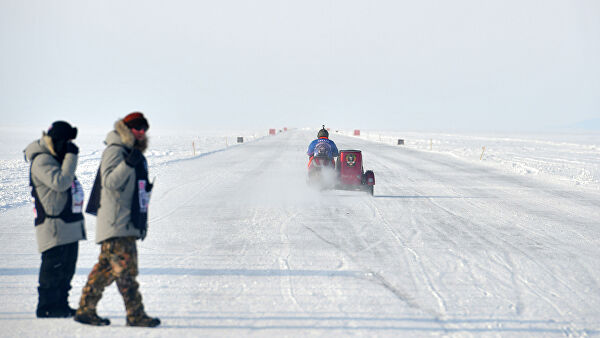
{"x":122,"y":219}
{"x":59,"y":222}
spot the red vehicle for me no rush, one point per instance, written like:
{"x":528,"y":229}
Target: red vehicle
{"x":346,"y":174}
{"x":351,"y":175}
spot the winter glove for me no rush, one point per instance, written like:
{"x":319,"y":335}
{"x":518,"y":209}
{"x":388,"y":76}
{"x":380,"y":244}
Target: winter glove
{"x":72,"y":148}
{"x":134,"y":158}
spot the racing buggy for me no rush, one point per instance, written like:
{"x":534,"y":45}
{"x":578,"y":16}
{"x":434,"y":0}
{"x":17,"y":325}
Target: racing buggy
{"x":346,"y":173}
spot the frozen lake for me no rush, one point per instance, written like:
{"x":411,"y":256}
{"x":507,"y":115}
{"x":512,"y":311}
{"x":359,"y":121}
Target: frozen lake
{"x":452,"y":244}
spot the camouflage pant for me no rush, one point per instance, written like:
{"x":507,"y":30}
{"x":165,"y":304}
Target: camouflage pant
{"x":117,"y":262}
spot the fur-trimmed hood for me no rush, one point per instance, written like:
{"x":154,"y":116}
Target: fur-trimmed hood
{"x":43,"y":145}
{"x":122,"y":135}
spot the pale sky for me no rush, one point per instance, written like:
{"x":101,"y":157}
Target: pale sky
{"x":421,"y":65}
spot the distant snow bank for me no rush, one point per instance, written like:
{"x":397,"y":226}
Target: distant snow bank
{"x":165,"y":146}
{"x":572,"y":158}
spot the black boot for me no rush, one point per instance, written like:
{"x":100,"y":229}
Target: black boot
{"x":69,"y":311}
{"x":64,"y":302}
{"x":53,"y":312}
{"x":48,"y":306}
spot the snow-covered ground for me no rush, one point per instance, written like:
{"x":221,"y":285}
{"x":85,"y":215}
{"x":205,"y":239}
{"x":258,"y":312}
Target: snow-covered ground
{"x":573,"y":158}
{"x":450,"y":245}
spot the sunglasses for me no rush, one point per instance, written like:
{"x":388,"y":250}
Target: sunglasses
{"x":140,"y":128}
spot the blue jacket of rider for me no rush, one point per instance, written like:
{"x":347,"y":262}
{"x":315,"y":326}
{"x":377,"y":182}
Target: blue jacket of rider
{"x":333,"y":150}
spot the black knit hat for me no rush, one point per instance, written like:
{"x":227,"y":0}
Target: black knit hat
{"x":61,"y":130}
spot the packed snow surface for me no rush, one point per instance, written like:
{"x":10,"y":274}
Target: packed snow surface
{"x":452,"y":244}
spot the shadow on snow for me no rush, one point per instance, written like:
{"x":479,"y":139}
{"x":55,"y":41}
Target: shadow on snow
{"x":205,"y":272}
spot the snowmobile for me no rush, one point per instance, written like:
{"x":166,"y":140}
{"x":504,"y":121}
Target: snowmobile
{"x":321,"y":172}
{"x":346,"y":174}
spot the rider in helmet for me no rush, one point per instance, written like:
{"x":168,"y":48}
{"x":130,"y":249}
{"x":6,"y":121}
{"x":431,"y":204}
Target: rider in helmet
{"x":322,"y":146}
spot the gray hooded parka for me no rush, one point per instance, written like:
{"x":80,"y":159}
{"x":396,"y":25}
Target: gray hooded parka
{"x":52,"y":181}
{"x":118,"y":186}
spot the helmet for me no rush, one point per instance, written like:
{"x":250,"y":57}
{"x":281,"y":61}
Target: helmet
{"x":323,"y":132}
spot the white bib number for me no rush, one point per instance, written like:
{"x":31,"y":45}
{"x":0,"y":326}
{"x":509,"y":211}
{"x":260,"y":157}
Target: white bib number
{"x":34,"y":208}
{"x":77,"y":197}
{"x":143,"y":196}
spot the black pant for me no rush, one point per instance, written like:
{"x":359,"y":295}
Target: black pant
{"x":56,"y":273}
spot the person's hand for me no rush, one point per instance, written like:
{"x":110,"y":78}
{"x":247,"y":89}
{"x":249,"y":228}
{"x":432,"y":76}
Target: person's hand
{"x":72,"y":148}
{"x":134,"y":158}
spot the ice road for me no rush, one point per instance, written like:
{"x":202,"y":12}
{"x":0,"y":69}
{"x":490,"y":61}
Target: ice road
{"x":238,"y":245}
